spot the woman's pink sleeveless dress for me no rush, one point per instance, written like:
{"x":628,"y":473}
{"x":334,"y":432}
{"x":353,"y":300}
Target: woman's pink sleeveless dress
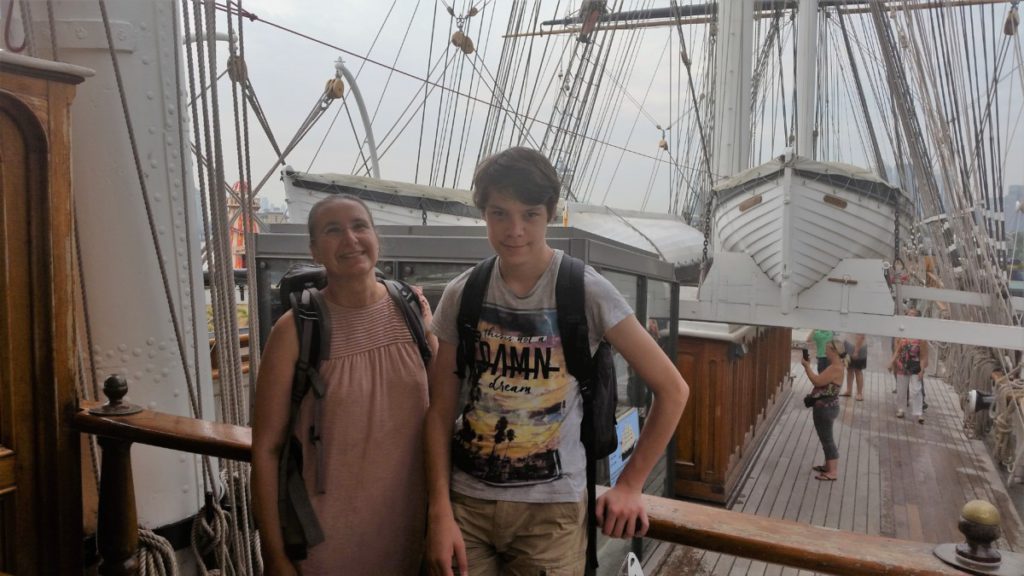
{"x":374,"y":510}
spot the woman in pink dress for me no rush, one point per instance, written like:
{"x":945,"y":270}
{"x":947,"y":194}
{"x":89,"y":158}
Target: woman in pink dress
{"x":372,"y":508}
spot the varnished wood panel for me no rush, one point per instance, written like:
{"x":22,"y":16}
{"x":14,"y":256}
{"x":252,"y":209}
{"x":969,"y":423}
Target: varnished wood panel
{"x":42,"y":517}
{"x":7,"y":481}
{"x":20,"y":525}
{"x":731,"y":399}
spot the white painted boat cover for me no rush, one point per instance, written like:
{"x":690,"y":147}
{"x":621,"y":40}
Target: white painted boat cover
{"x":842,"y":175}
{"x":663,"y":234}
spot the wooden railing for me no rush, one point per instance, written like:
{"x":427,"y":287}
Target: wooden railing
{"x":770,"y":540}
{"x":243,"y":344}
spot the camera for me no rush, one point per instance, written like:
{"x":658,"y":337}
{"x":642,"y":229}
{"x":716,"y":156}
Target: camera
{"x":807,"y":355}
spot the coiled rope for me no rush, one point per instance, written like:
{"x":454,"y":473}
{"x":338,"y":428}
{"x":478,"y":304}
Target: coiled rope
{"x":156,"y":555}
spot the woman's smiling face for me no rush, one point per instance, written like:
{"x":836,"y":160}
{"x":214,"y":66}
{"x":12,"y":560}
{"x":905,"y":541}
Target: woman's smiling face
{"x":344,"y":239}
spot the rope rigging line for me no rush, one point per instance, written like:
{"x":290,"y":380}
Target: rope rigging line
{"x":423,"y":116}
{"x":237,"y":485}
{"x":155,"y":555}
{"x":419,"y":107}
{"x":693,"y":97}
{"x":552,"y":80}
{"x":440,"y":105}
{"x":445,"y":89}
{"x":221,"y":272}
{"x":363,"y":142}
{"x":185,"y":178}
{"x":625,"y":59}
{"x":470,"y":113}
{"x":486,"y":138}
{"x":522,"y":63}
{"x":582,"y":116}
{"x":854,"y":71}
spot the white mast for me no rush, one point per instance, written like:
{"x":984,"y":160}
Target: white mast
{"x":806,"y":76}
{"x":733,"y":62}
{"x":131,"y":329}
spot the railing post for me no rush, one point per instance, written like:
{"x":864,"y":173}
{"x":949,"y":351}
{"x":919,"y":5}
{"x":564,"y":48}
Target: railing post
{"x":117,"y":533}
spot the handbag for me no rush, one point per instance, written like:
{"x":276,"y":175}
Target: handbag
{"x":810,"y":400}
{"x":913,"y":366}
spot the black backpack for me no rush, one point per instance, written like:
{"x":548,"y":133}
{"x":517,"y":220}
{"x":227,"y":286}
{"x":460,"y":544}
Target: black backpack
{"x":594,"y":374}
{"x":300,"y":290}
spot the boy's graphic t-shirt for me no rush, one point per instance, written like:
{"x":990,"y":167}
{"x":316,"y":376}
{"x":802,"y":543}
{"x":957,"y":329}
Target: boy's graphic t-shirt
{"x":518,"y":435}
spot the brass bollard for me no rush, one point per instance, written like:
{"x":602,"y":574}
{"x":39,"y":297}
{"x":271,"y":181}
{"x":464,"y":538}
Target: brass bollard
{"x":979,"y":523}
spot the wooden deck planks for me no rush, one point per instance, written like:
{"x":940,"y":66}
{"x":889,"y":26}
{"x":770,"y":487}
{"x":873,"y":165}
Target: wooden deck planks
{"x":897,"y":477}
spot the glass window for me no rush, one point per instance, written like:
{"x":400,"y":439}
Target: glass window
{"x":431,"y":276}
{"x":659,"y":313}
{"x":631,"y":390}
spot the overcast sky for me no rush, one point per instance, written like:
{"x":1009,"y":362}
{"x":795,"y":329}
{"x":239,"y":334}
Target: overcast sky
{"x":289,"y":73}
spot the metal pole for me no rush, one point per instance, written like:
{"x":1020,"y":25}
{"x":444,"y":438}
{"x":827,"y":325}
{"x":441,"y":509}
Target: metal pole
{"x":806,"y":76}
{"x":731,"y":128}
{"x":370,"y":143}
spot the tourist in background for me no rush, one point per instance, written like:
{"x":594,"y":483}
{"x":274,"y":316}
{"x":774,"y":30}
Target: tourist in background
{"x":827,"y":383}
{"x":856,"y":346}
{"x":908,"y":363}
{"x":820,"y":338}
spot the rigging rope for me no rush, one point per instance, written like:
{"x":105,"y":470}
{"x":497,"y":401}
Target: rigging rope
{"x":155,"y":555}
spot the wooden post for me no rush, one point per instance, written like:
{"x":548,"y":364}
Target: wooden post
{"x":117,"y":533}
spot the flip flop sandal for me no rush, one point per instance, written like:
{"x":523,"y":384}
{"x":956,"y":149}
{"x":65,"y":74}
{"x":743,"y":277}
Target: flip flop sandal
{"x":818,"y":468}
{"x":824,"y":478}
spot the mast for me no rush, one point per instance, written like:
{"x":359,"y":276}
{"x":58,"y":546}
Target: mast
{"x":806,"y":76}
{"x":733,"y":62}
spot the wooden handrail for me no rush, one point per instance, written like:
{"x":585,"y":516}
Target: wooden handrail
{"x":169,"y":431}
{"x":709,"y":528}
{"x":243,"y":342}
{"x":789,"y":543}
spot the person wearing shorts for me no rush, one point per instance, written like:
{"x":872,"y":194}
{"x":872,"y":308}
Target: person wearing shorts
{"x":857,"y":351}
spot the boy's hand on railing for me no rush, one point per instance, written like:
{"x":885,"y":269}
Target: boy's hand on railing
{"x":445,"y":543}
{"x":621,"y":514}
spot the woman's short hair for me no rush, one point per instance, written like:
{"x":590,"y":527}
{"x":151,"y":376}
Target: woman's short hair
{"x":321,"y":204}
{"x":520,"y":173}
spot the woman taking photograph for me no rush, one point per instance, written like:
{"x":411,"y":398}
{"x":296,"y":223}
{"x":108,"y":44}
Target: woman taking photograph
{"x":825,"y":409}
{"x":372,"y":508}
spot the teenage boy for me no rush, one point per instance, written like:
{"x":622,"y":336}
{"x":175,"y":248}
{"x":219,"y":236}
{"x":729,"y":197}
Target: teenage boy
{"x":515,"y":501}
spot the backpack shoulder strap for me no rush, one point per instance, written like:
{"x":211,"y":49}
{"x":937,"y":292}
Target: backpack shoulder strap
{"x":310,"y":310}
{"x":472,"y":302}
{"x":409,"y":303}
{"x":299,"y":524}
{"x":570,"y":302}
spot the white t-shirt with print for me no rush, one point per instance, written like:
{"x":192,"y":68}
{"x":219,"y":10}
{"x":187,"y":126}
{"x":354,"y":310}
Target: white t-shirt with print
{"x":518,"y":435}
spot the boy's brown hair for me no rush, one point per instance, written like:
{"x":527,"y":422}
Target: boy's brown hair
{"x":522,"y":174}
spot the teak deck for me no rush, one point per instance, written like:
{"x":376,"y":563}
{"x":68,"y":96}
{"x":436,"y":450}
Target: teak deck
{"x":897,"y":478}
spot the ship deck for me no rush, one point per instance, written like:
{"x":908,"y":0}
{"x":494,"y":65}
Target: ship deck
{"x":897,"y":477}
